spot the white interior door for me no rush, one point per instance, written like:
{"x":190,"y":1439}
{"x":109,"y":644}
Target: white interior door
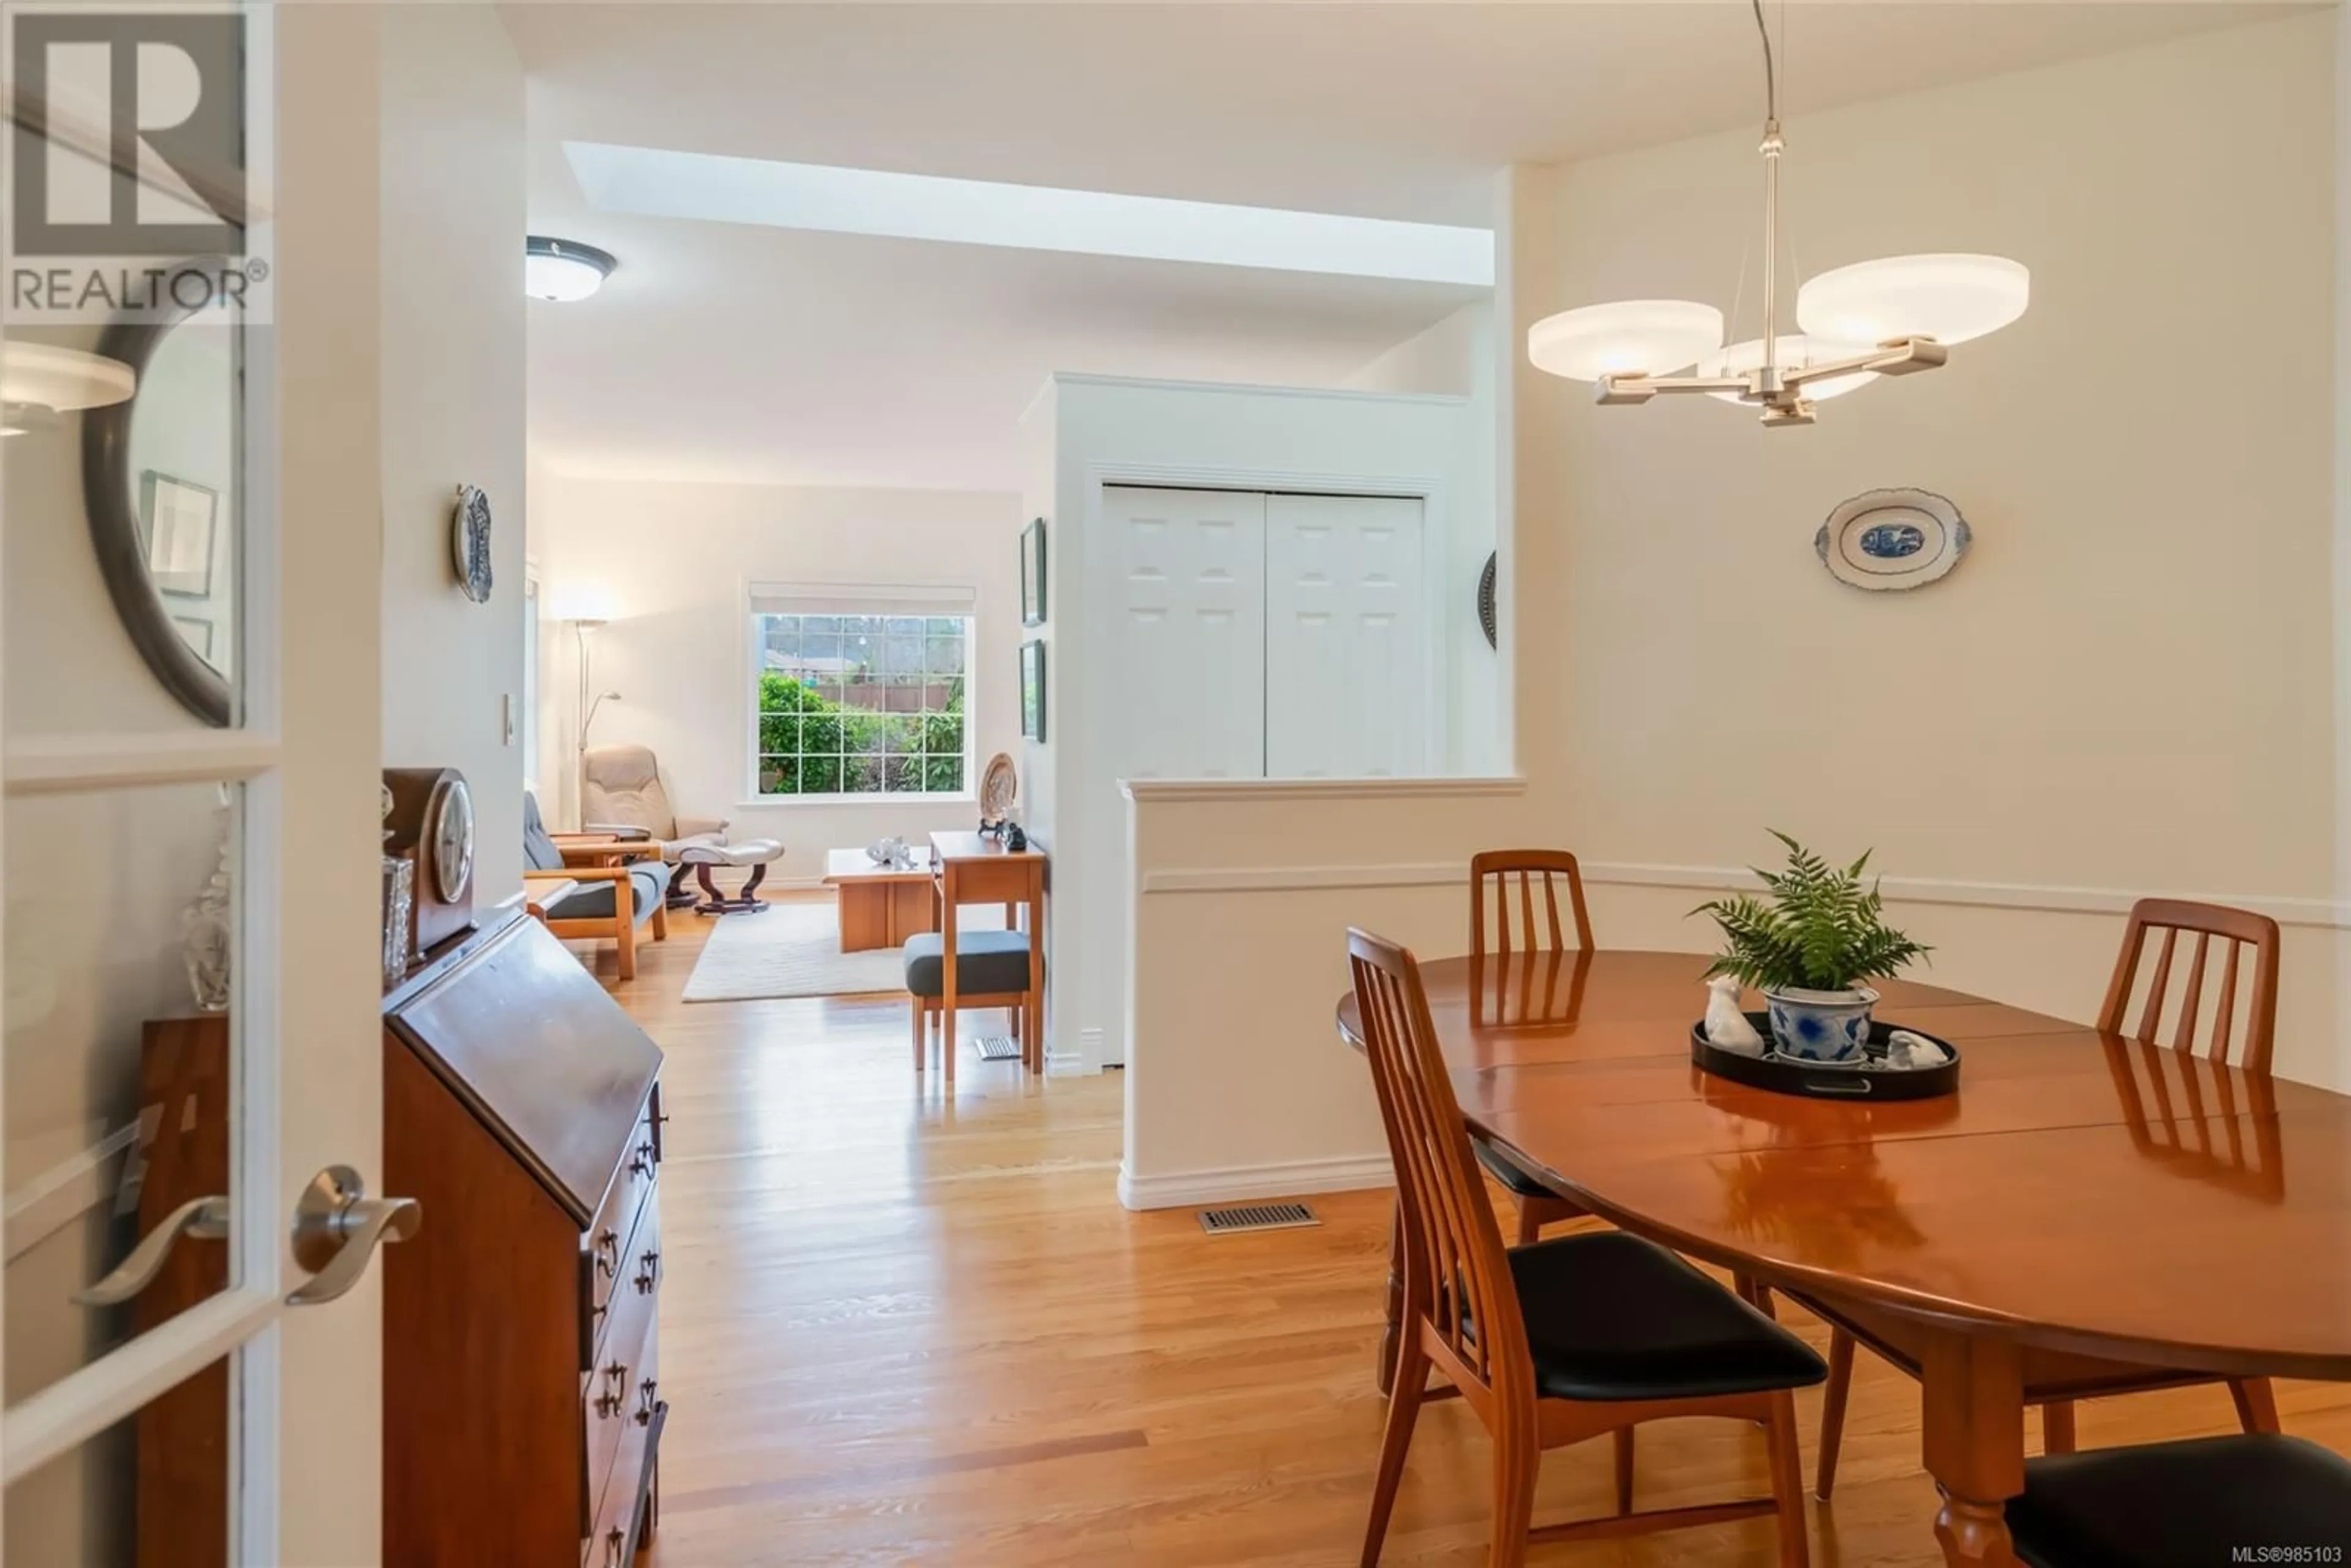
{"x":1189,"y":664}
{"x":1348,"y":671}
{"x":172,"y":1373}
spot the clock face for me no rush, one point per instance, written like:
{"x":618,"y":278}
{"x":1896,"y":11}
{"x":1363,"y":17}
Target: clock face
{"x":449,"y":829}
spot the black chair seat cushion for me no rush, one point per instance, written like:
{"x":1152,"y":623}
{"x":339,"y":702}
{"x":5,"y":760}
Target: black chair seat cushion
{"x":594,"y":899}
{"x":988,"y":963}
{"x":2207,"y":1499}
{"x":1610,"y":1316}
{"x":1508,"y":1171}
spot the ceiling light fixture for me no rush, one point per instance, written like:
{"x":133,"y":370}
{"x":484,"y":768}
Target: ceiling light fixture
{"x":41,"y":381}
{"x":563,"y":269}
{"x":1892,"y":317}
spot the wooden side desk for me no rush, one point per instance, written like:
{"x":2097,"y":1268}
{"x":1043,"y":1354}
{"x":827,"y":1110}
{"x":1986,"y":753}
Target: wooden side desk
{"x":969,"y":869}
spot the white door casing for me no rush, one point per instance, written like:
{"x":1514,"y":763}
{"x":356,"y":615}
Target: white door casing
{"x":1348,"y":670}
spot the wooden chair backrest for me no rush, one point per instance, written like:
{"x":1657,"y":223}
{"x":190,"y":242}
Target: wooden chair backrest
{"x":2237,"y":930}
{"x":1505,"y":877}
{"x":1457,"y":1278}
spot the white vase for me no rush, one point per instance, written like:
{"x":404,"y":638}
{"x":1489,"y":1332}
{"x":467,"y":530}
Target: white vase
{"x":1821,"y":1026}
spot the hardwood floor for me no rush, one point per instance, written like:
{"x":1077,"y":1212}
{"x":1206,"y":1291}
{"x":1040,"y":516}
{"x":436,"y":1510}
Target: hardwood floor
{"x":900,"y":1328}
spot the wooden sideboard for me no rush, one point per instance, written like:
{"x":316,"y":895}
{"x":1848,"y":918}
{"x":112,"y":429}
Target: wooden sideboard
{"x":522,"y":1413}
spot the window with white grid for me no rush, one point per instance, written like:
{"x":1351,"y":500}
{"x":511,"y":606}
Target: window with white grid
{"x":861,"y":694}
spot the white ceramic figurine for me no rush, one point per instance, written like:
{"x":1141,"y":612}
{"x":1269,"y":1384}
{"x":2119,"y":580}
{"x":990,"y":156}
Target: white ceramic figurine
{"x":1911,"y":1051}
{"x":1726,"y":1026}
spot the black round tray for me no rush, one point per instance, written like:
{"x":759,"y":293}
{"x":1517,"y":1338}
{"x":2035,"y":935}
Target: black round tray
{"x":1786,"y":1075}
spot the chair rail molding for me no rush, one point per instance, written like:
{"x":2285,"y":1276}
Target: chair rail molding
{"x":2050,"y":898}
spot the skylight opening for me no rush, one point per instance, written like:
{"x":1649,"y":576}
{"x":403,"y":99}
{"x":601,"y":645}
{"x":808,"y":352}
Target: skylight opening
{"x":649,"y":182}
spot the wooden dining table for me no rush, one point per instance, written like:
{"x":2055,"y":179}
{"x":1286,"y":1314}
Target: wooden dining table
{"x":2085,"y":1209}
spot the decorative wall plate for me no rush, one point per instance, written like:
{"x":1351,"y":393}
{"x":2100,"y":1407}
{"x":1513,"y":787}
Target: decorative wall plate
{"x":1885,"y":539}
{"x":1486,"y":602}
{"x":469,"y":542}
{"x":998,"y":787}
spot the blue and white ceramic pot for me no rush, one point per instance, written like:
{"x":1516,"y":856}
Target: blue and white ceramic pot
{"x":1821,"y":1026}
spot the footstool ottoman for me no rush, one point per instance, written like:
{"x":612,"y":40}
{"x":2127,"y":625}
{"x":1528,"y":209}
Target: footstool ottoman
{"x":753,"y":853}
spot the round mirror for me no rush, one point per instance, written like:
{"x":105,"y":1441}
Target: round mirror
{"x":161,"y":481}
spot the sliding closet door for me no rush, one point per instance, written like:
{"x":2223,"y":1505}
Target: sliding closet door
{"x":1349,"y":674}
{"x":1190,"y":673}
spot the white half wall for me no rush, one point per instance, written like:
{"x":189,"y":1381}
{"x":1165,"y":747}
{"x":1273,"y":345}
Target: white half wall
{"x":2127,"y":688}
{"x":678,"y":559}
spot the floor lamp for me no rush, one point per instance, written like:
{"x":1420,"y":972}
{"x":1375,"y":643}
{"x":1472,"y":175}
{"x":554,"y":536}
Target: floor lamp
{"x":581,"y":628}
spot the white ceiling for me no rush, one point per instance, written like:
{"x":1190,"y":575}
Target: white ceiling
{"x":720,"y":351}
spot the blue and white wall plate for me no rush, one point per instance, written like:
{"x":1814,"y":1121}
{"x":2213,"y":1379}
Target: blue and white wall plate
{"x":1884,"y":539}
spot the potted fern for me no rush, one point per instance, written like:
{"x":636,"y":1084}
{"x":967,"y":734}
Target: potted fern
{"x":1808,"y":945}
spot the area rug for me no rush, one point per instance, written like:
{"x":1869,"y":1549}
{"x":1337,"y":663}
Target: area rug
{"x":793,"y":949}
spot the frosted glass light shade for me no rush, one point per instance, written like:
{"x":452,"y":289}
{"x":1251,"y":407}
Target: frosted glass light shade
{"x":42,"y":376}
{"x":1796,"y":352}
{"x":589,"y":602}
{"x":1950,"y":298}
{"x":1628,"y":336}
{"x":563,"y":269}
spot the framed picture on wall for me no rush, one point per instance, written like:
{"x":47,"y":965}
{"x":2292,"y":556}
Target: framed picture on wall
{"x":1032,"y":689}
{"x":176,"y":522}
{"x":1032,"y":573}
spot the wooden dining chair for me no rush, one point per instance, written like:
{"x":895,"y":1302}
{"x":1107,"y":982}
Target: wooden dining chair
{"x":1560,"y":1341}
{"x":2236,"y":930}
{"x":1504,"y":881}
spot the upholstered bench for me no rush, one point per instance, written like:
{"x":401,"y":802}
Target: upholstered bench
{"x":756,"y":853}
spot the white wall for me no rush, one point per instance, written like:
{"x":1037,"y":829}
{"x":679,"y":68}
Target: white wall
{"x":453,"y":336}
{"x":1086,"y":430}
{"x":678,"y":559}
{"x":2124,"y":689}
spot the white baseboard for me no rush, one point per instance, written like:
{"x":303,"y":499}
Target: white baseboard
{"x":1238,"y":1183}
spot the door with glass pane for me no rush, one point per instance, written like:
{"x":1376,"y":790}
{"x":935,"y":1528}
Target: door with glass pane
{"x":190,"y":1097}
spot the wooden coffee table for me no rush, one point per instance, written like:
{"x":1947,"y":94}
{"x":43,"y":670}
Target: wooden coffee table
{"x":881,"y":906}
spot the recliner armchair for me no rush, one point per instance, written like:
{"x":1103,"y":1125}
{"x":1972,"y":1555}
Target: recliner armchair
{"x":620,"y":792}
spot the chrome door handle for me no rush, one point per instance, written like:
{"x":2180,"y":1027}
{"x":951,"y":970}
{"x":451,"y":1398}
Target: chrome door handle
{"x":336,"y":1228}
{"x":206,"y":1219}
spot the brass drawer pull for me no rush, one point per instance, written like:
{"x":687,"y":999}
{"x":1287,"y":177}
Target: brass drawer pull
{"x":642,"y":1163}
{"x":614,"y":1546}
{"x":645,"y":1401}
{"x":647,"y":1272}
{"x":608,"y":1253}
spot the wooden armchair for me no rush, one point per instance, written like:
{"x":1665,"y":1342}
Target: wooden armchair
{"x":597,"y":885}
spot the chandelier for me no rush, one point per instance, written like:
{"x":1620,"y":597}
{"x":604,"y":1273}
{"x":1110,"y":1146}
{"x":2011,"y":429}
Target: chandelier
{"x":1893,"y":316}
